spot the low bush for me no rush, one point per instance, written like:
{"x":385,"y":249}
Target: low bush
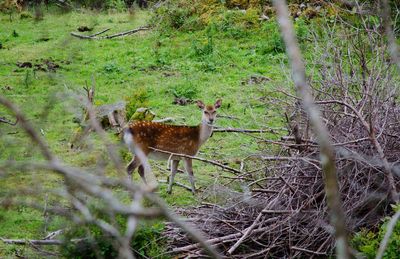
{"x":367,"y":241}
{"x":138,"y":99}
{"x":93,"y":243}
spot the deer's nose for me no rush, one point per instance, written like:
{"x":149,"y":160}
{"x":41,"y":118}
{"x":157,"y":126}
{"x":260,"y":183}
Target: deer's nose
{"x":211,"y":120}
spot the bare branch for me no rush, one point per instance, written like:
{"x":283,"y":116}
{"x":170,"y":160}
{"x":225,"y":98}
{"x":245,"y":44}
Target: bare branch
{"x":326,"y":149}
{"x":125,"y":33}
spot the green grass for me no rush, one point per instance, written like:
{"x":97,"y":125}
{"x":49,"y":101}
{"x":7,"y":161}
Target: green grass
{"x":162,"y":64}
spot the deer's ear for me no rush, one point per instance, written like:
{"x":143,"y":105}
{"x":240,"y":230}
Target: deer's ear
{"x":218,"y":103}
{"x":200,"y":104}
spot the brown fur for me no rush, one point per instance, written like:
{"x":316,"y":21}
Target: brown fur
{"x":171,"y":138}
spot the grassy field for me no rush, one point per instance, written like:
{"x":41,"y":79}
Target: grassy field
{"x":205,"y":64}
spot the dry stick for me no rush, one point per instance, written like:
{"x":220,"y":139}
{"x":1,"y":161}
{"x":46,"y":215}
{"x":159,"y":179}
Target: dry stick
{"x":326,"y":149}
{"x":386,"y":238}
{"x":217,"y":129}
{"x":92,"y":37}
{"x":307,"y":251}
{"x":177,"y":184}
{"x":98,"y":33}
{"x":227,"y":168}
{"x":216,"y":240}
{"x":4,"y":120}
{"x":248,"y":231}
{"x":27,"y":242}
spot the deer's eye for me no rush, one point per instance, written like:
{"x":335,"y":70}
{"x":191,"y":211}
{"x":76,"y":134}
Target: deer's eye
{"x":214,"y":112}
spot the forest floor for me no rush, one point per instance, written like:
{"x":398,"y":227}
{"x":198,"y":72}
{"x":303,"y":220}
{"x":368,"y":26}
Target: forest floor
{"x":160,"y":66}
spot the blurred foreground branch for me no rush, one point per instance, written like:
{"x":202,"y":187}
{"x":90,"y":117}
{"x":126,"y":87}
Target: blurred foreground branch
{"x":327,"y":154}
{"x":80,"y":183}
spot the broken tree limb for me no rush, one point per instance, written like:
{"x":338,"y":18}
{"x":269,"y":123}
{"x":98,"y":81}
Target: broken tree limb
{"x":270,"y":130}
{"x":327,"y":152}
{"x":120,"y":34}
{"x":35,"y":242}
{"x":100,"y":32}
{"x":4,"y":120}
{"x":177,"y":184}
{"x":227,"y":168}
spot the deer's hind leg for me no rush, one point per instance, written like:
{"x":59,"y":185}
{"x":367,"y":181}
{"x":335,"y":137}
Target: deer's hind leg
{"x":174,"y":169}
{"x":189,"y":171}
{"x":133,"y":164}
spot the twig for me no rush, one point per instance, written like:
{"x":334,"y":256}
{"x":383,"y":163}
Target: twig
{"x":227,"y":168}
{"x":35,"y":242}
{"x":327,"y":152}
{"x":4,"y":120}
{"x":217,"y":240}
{"x":271,"y":130}
{"x":125,"y":33}
{"x":307,"y":251}
{"x":177,"y":183}
{"x":98,"y":33}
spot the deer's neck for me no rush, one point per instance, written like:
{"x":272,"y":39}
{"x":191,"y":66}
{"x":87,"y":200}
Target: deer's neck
{"x":205,"y":132}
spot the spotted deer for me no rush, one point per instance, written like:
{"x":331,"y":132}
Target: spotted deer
{"x":147,"y":139}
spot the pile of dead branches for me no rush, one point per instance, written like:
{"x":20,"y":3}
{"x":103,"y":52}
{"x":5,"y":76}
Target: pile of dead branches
{"x":286,"y":213}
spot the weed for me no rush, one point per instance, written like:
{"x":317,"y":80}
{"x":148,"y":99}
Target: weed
{"x":111,"y":68}
{"x":139,"y":98}
{"x":147,"y":241}
{"x":185,"y":90}
{"x":367,"y":242}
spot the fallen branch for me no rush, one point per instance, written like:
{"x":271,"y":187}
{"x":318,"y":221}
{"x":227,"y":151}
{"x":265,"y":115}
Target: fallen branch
{"x":227,"y":168}
{"x":270,"y":130}
{"x":178,"y":184}
{"x":217,"y":240}
{"x":35,"y":242}
{"x":307,"y":251}
{"x":4,"y":120}
{"x":125,"y":33}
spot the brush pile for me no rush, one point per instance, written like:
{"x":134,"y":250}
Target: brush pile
{"x":285,"y":212}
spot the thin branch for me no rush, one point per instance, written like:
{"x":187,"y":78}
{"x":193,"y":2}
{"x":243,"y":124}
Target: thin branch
{"x":227,"y":168}
{"x":35,"y":242}
{"x":327,"y":152}
{"x":270,"y":130}
{"x":307,"y":251}
{"x":4,"y":120}
{"x":125,"y":33}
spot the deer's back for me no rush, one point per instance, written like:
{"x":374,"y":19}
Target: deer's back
{"x":171,"y":138}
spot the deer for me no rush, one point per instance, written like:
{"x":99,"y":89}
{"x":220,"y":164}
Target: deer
{"x":160,"y":141}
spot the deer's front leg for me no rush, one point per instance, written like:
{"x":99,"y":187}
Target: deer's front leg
{"x":174,"y":169}
{"x":189,"y":170}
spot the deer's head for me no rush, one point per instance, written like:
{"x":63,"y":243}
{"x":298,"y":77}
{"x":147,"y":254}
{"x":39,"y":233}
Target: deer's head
{"x":209,"y":111}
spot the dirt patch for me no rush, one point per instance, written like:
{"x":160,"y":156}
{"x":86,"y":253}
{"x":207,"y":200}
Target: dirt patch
{"x":46,"y":65}
{"x":24,"y":64}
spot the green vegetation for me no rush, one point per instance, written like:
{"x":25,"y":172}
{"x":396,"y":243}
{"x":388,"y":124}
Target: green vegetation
{"x":367,"y":241}
{"x":146,"y":69}
{"x":204,"y":52}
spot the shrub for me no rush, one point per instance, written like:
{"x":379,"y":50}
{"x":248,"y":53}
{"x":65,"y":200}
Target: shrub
{"x":367,"y":242}
{"x":138,"y":99}
{"x":146,"y":242}
{"x":186,"y":90}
